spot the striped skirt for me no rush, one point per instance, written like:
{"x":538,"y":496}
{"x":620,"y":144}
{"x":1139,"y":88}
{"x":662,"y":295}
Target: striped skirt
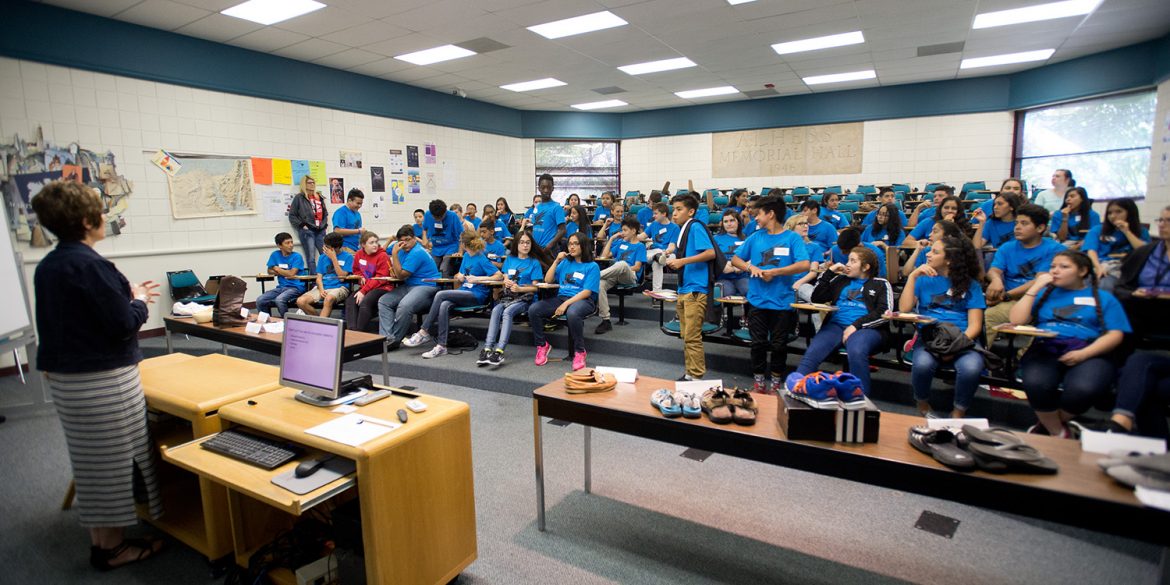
{"x":104,"y":417}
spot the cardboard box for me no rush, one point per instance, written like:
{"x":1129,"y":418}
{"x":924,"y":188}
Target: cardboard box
{"x":802,"y":422}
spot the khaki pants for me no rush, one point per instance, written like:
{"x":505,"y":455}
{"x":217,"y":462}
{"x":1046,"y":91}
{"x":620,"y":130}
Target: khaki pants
{"x":998,"y":315}
{"x":619,"y":273}
{"x":692,"y":310}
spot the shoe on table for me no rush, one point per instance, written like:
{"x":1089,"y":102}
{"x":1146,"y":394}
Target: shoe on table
{"x":542,"y":354}
{"x":717,"y":404}
{"x":1040,"y":429}
{"x":664,"y":401}
{"x":744,"y":409}
{"x":435,"y":352}
{"x":816,"y":390}
{"x":689,"y":401}
{"x":496,"y":358}
{"x":578,"y":360}
{"x":849,"y":391}
{"x":687,"y":378}
{"x":791,"y":380}
{"x":485,"y":357}
{"x":420,"y":337}
{"x":603,"y":327}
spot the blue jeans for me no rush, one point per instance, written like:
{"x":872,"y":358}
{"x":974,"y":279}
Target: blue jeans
{"x":313,"y":242}
{"x":737,"y":287}
{"x":862,"y":344}
{"x":441,"y":310}
{"x":575,"y":315}
{"x":1143,"y":391}
{"x":968,"y":367}
{"x":280,"y":296}
{"x":397,"y":308}
{"x":500,"y":325}
{"x":1043,"y":375}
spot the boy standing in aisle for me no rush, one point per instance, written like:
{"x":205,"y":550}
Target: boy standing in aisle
{"x":629,"y":257}
{"x":333,"y":265}
{"x":348,"y":222}
{"x":695,"y":251}
{"x":772,"y":257}
{"x":284,"y":263}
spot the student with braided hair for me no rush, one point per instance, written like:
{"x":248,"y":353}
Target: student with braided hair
{"x":1083,"y":357}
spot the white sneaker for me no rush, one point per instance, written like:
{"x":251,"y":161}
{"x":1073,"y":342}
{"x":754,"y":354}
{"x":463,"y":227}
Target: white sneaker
{"x":435,"y":352}
{"x":420,"y":337}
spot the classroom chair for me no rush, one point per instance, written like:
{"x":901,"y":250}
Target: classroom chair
{"x":816,"y":197}
{"x":973,"y":186}
{"x":866,"y":189}
{"x":722,"y":201}
{"x":800,"y":191}
{"x":764,"y":191}
{"x":900,"y":188}
{"x":855,"y":197}
{"x":849,"y":206}
{"x":185,"y":288}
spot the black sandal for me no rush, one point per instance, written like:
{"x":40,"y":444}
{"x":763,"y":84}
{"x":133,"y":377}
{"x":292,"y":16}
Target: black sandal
{"x":100,"y":558}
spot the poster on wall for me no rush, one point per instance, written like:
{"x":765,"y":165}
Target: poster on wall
{"x":350,"y":159}
{"x":397,"y":191}
{"x":336,"y":190}
{"x":397,"y":163}
{"x":412,"y":182}
{"x":300,"y":168}
{"x":430,"y":153}
{"x":317,"y":171}
{"x":377,"y":180}
{"x":412,"y":157}
{"x":212,"y":186}
{"x":432,"y":185}
{"x":377,"y":205}
{"x":450,"y":176}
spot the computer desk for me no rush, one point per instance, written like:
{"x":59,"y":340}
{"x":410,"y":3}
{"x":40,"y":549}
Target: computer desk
{"x":415,"y":484}
{"x":358,"y":344}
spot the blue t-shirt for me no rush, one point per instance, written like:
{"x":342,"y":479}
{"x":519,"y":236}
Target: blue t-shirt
{"x":570,"y":228}
{"x":1073,"y":313}
{"x":703,"y":214}
{"x":662,"y":235}
{"x":1020,"y":264}
{"x":419,"y":264}
{"x":575,"y":277}
{"x":729,"y":244}
{"x":872,"y":217}
{"x":694,"y":277}
{"x":645,"y":217}
{"x":834,"y":217}
{"x":823,"y":232}
{"x":927,"y":214}
{"x":630,"y":253}
{"x":495,"y":251}
{"x":870,"y":235}
{"x":525,"y":271}
{"x":443,"y":234}
{"x":615,"y":227}
{"x":346,"y":218}
{"x":998,"y":232}
{"x":501,"y":230}
{"x":546,"y":218}
{"x":750,"y":228}
{"x":329,"y":278}
{"x":504,"y":217}
{"x":418,"y":230}
{"x":1115,"y":243}
{"x":1074,"y":227}
{"x":767,"y":251}
{"x":477,"y":265}
{"x":850,"y":303}
{"x":836,"y":255}
{"x":475,"y":221}
{"x":294,"y":260}
{"x":936,"y":299}
{"x":602,"y":212}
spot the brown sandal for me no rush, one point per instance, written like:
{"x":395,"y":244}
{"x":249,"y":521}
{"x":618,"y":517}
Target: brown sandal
{"x":100,"y":558}
{"x":745,"y":409}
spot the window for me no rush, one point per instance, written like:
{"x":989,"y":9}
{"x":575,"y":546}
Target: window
{"x":1105,"y":142}
{"x":584,"y":168}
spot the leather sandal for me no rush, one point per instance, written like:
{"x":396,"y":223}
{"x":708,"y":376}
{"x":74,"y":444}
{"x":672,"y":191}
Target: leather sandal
{"x":716,"y":403}
{"x":744,"y":409}
{"x":101,"y":558}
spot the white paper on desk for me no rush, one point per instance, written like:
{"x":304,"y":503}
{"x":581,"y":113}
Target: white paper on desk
{"x":623,"y":375}
{"x":262,"y":317}
{"x":253,"y":327}
{"x":353,"y":429}
{"x":697,"y":386}
{"x":1106,"y":443}
{"x":1153,"y":498}
{"x":957,"y":423}
{"x":274,"y":327}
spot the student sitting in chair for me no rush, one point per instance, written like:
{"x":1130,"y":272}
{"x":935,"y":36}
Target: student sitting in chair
{"x":661,"y":239}
{"x":927,"y":208}
{"x":333,"y":265}
{"x":370,"y":262}
{"x":887,"y":197}
{"x":578,"y":221}
{"x":579,"y":279}
{"x":1066,"y":374}
{"x":414,"y":265}
{"x":829,"y":211}
{"x":1075,"y":218}
{"x":1109,"y":243}
{"x":442,"y":230}
{"x":646,"y":214}
{"x":949,"y":209}
{"x":470,"y":217}
{"x":817,"y":258}
{"x":886,"y":227}
{"x":850,"y":238}
{"x":1016,"y":264}
{"x":504,"y":213}
{"x":940,"y":230}
{"x":419,"y":215}
{"x":500,"y":231}
{"x":733,"y":281}
{"x":605,"y":209}
{"x":472,"y":289}
{"x":523,"y":268}
{"x":818,"y":229}
{"x":629,"y":257}
{"x":283,"y":263}
{"x":999,"y":229}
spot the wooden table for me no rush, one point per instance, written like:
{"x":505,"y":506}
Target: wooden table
{"x":1080,"y":495}
{"x":415,"y":484}
{"x":262,"y":279}
{"x":358,"y":344}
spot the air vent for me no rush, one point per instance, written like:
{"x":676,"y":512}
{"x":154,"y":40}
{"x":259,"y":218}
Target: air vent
{"x":942,"y":49}
{"x":759,"y":93}
{"x":609,"y":90}
{"x":482,"y":45}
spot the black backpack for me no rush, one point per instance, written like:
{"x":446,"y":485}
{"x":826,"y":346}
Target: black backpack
{"x":714,"y":268}
{"x":460,"y":340}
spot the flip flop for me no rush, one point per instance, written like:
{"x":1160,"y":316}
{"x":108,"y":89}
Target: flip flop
{"x":1004,"y":458}
{"x":943,"y":445}
{"x":992,"y":436}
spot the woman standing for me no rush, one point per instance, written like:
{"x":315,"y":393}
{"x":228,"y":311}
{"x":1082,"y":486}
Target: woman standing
{"x":309,"y":216}
{"x":370,"y":262}
{"x":88,"y":316}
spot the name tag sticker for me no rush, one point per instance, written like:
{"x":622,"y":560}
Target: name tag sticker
{"x":511,"y":272}
{"x":438,"y":226}
{"x":1085,"y":301}
{"x":739,"y":242}
{"x":468,"y":285}
{"x":780,"y":251}
{"x":623,"y":247}
{"x":579,"y":275}
{"x":499,"y":229}
{"x":284,"y":266}
{"x":362,"y":261}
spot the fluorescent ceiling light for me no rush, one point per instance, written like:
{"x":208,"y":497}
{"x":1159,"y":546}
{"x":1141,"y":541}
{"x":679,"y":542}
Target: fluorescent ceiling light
{"x":708,"y":92}
{"x":272,"y":11}
{"x":734,"y":2}
{"x":436,"y":55}
{"x":656,"y":66}
{"x":578,"y":25}
{"x":839,"y":77}
{"x":1034,"y":13}
{"x":1008,"y":59}
{"x":599,"y":105}
{"x":534,"y":84}
{"x":849,"y":38}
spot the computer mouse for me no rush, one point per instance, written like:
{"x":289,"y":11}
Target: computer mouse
{"x":310,"y":466}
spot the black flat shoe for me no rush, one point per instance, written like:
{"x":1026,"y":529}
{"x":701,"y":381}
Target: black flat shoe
{"x":100,"y":558}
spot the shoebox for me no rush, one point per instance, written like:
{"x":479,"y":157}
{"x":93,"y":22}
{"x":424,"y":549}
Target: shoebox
{"x":802,"y":422}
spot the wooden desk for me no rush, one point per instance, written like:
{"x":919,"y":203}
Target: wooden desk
{"x":358,"y":344}
{"x":1080,"y":495}
{"x":415,"y":483}
{"x":262,"y":279}
{"x":192,"y":390}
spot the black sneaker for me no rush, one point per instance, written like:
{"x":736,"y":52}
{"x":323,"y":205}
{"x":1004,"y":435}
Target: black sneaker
{"x":603,"y":327}
{"x":484,"y":357}
{"x":496,"y":358}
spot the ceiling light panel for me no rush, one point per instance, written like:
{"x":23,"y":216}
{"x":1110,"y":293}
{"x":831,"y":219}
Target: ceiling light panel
{"x":272,"y":11}
{"x":840,"y":77}
{"x":656,"y":66}
{"x":817,"y":43}
{"x":706,"y":92}
{"x":545,"y":83}
{"x":734,"y":2}
{"x":578,"y":25}
{"x":435,"y":55}
{"x":600,"y":105}
{"x":1035,"y":13}
{"x":1008,"y":59}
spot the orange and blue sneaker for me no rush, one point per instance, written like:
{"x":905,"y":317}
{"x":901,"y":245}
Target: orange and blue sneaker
{"x":816,"y":390}
{"x":849,"y":391}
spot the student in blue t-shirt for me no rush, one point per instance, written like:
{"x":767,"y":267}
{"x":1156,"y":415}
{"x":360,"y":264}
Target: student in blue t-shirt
{"x":578,"y":221}
{"x":949,"y":209}
{"x":818,"y":256}
{"x":443,"y":228}
{"x":333,"y":265}
{"x":500,"y":231}
{"x":646,"y":214}
{"x":940,"y":230}
{"x":493,"y":249}
{"x":612,"y":225}
{"x":419,"y":232}
{"x":1000,"y":227}
{"x":504,"y":212}
{"x":818,"y":229}
{"x":471,"y":289}
{"x":733,"y":281}
{"x":472,"y":209}
{"x":283,"y":263}
{"x":748,"y":218}
{"x":579,"y":281}
{"x":829,"y":211}
{"x":411,"y":263}
{"x":1016,"y":264}
{"x":850,"y":238}
{"x":347,"y":220}
{"x":1075,"y":218}
{"x":887,"y":197}
{"x":945,"y":289}
{"x":1111,"y":242}
{"x":629,"y":257}
{"x":886,"y":227}
{"x":522,"y":270}
{"x":661,"y":239}
{"x":605,"y":210}
{"x":692,"y":261}
{"x":1067,"y":374}
{"x":927,"y":208}
{"x":772,"y":257}
{"x":548,"y":217}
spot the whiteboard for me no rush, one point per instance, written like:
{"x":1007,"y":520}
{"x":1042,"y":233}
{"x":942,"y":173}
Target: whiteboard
{"x":14,"y":317}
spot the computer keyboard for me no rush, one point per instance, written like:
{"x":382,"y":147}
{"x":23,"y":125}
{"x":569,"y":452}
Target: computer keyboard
{"x":249,"y":448}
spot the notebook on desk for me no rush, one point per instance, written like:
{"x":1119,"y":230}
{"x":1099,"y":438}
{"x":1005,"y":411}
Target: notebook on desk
{"x":331,"y":470}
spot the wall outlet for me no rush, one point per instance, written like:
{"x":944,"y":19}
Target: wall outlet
{"x":315,"y":573}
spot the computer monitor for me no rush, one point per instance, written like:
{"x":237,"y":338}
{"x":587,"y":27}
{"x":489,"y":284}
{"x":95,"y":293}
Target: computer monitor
{"x":310,"y":359}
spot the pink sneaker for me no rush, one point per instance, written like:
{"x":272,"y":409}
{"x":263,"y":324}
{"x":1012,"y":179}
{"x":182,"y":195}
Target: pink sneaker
{"x":542,"y":354}
{"x":578,"y":360}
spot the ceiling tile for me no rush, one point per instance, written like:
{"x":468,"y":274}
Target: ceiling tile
{"x":322,"y":22}
{"x":348,"y":58}
{"x":267,"y":39}
{"x":162,"y":14}
{"x":219,"y":28}
{"x":310,"y":49}
{"x":367,"y":33}
{"x":105,"y":8}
